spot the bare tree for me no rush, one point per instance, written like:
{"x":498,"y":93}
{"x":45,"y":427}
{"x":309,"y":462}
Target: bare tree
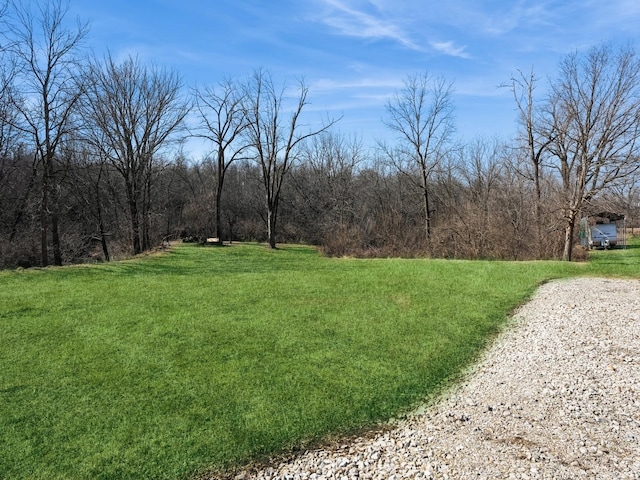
{"x":321,"y":197}
{"x":536,"y":136}
{"x":9,"y":114}
{"x":274,"y":140}
{"x":222,"y":122}
{"x":421,"y":114}
{"x":131,"y":112}
{"x":47,"y":55}
{"x":625,"y":198}
{"x":481,"y":169}
{"x":334,"y":160}
{"x":9,"y":134}
{"x":87,"y":179}
{"x":595,"y":109}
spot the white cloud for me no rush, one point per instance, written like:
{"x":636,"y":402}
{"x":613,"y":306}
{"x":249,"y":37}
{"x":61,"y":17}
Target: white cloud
{"x":449,"y":48}
{"x":348,"y":20}
{"x":519,"y":15}
{"x":327,"y":85}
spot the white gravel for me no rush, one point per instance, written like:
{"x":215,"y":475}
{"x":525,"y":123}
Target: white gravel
{"x":557,"y":396}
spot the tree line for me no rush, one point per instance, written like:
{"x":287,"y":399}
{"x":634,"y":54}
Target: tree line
{"x":91,"y":166}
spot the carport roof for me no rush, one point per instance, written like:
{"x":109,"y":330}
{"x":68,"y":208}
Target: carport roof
{"x":612,"y":217}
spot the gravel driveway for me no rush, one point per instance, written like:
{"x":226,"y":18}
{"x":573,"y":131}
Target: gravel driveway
{"x":557,"y":396}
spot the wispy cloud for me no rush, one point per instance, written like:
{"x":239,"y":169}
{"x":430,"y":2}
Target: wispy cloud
{"x":518,"y":15}
{"x":326,"y":84}
{"x":369,"y":91}
{"x":621,"y":16}
{"x":367,"y":22}
{"x":449,"y":48}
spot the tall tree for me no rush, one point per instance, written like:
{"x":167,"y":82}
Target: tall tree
{"x":421,"y":114}
{"x":222,"y":121}
{"x":47,"y":55}
{"x":595,"y":111}
{"x":131,"y":111}
{"x":274,"y":140}
{"x":536,"y":136}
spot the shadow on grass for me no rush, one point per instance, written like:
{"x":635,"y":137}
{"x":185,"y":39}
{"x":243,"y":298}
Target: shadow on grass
{"x":191,"y":259}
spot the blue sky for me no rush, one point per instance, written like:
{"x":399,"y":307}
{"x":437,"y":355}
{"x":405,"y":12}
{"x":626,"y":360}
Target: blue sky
{"x":354,"y":54}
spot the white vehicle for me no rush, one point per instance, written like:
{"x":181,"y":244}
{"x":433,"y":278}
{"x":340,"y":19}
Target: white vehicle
{"x":603,"y":235}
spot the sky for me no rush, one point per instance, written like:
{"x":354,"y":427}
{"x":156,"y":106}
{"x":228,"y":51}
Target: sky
{"x":355,"y":54}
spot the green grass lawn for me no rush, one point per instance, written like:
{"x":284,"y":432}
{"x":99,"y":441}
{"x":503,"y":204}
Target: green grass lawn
{"x":206,"y":358}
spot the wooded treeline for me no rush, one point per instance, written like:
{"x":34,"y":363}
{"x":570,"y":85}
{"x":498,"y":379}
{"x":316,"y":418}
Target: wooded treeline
{"x":91,"y":166}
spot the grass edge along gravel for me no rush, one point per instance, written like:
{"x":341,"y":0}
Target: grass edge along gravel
{"x":204,"y":359}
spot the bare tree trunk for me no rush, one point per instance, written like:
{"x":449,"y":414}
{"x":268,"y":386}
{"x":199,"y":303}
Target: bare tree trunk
{"x":53,"y":206}
{"x":427,"y":212}
{"x":103,"y":234}
{"x":44,"y":255}
{"x":55,"y":239}
{"x":568,"y":237}
{"x":146,"y":214}
{"x":135,"y":220}
{"x":219,"y":186}
{"x":101,"y":227}
{"x":538,"y":210}
{"x":271,"y":227}
{"x":218,"y":229}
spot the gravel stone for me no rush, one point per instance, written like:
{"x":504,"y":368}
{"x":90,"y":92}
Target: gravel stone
{"x":556,"y":396}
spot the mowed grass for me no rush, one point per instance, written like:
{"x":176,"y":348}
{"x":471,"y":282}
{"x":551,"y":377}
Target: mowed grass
{"x":202,"y":359}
